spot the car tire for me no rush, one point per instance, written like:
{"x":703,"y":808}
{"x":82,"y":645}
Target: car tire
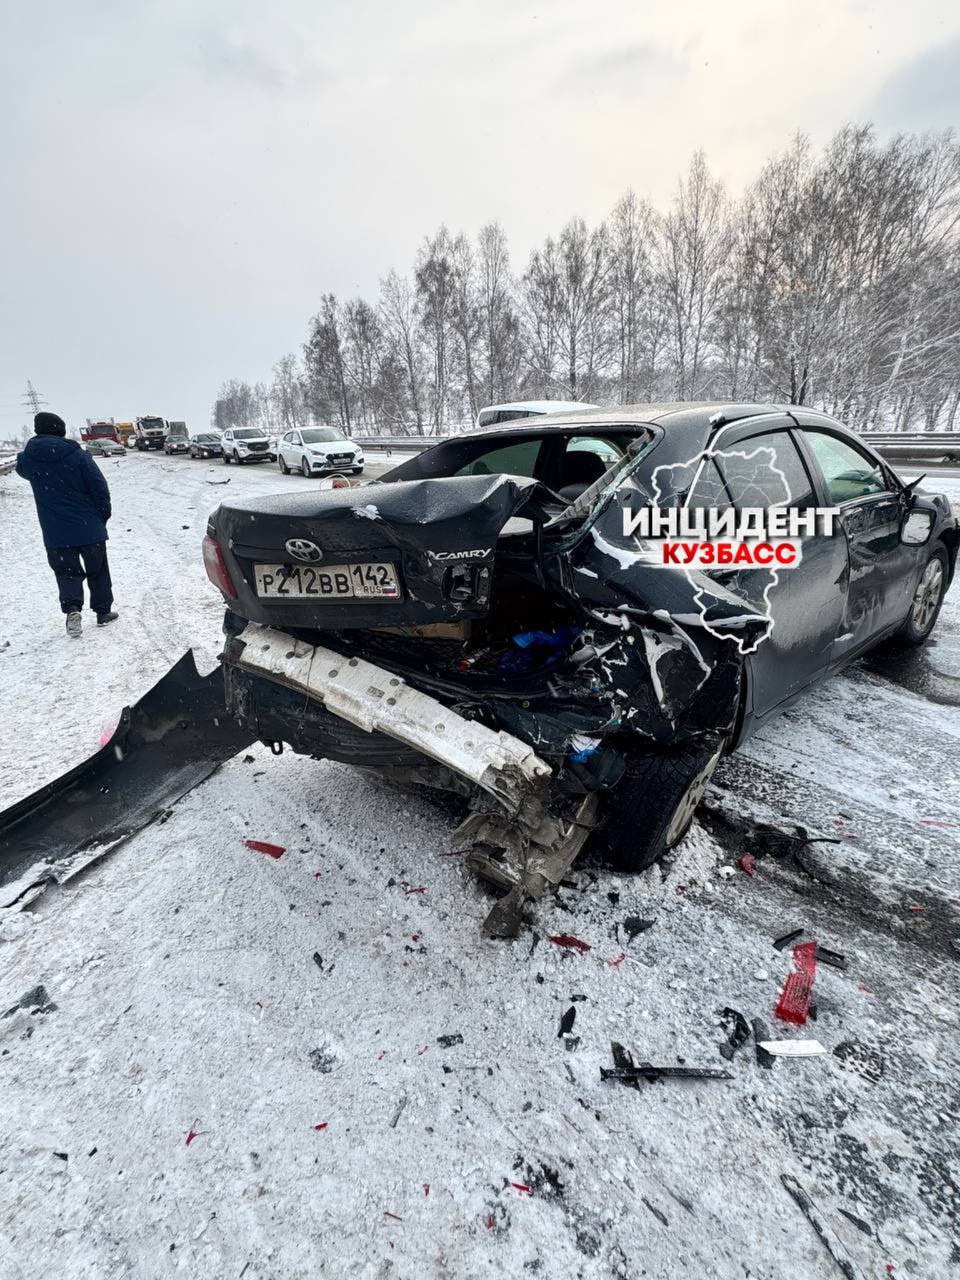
{"x":358,"y":471}
{"x":226,"y":458}
{"x":651,"y":809}
{"x":284,"y":469}
{"x":927,"y":600}
{"x":305,"y":468}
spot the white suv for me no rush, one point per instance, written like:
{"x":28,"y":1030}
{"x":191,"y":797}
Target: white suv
{"x":246,"y":444}
{"x":315,"y":450}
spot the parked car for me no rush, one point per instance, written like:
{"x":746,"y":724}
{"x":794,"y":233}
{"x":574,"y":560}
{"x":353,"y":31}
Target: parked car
{"x":493,"y":577}
{"x":206,"y":444}
{"x":177,"y":439}
{"x":318,"y":450}
{"x":104,"y":447}
{"x":246,"y":444}
{"x":497,"y":415}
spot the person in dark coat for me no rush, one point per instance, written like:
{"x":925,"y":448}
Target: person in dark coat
{"x":73,"y":506}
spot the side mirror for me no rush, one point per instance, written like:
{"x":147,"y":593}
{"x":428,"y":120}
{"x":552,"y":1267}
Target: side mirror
{"x":916,"y":527}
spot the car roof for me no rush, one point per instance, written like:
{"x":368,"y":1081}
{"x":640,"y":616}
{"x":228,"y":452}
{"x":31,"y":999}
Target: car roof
{"x":675,"y":415}
{"x":538,"y":407}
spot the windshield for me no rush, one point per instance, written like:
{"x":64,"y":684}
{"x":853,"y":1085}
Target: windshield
{"x":248,"y":433}
{"x":207,"y":439}
{"x":321,"y":435}
{"x":152,"y":424}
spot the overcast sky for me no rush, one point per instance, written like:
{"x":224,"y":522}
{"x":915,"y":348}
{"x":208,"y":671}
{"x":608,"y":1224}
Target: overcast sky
{"x":182,"y":179}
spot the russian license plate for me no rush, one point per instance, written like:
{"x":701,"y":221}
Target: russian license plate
{"x":326,"y":582}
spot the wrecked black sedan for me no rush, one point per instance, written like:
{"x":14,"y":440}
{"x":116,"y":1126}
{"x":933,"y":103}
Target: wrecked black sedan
{"x":532,"y":617}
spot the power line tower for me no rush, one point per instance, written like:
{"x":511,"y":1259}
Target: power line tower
{"x":33,"y":398}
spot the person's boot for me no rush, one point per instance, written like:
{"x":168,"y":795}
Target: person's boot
{"x":75,"y":625}
{"x":104,"y":618}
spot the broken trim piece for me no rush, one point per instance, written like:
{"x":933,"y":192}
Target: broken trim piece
{"x":376,"y":700}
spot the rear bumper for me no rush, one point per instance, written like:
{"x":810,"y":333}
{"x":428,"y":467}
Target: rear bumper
{"x":269,"y":674}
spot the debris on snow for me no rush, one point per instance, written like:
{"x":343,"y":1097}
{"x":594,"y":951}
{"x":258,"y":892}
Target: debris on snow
{"x":448,"y":1041}
{"x":567,"y":1021}
{"x":399,"y":1112}
{"x":794,"y":1003}
{"x":568,"y":940}
{"x":737,"y":1030}
{"x":761,"y":1035}
{"x":747,"y":864}
{"x":626,"y":1071}
{"x":792,"y":1048}
{"x":634,"y":925}
{"x":264,"y":846}
{"x":784,"y":941}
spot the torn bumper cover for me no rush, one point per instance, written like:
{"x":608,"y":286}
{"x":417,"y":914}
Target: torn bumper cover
{"x":517,"y":841}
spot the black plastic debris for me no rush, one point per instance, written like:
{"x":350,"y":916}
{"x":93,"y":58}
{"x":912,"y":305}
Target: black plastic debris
{"x":736,"y":1029}
{"x":813,"y":1216}
{"x":318,"y":960}
{"x":835,"y":959}
{"x":633,"y":925}
{"x":626,"y":1071}
{"x":36,"y":1000}
{"x":61,"y":1155}
{"x":567,"y":1021}
{"x":785,"y":940}
{"x":761,"y":1032}
{"x":447,"y":1042}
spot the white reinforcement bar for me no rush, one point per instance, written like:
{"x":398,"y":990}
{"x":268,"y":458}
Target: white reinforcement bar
{"x":376,"y":700}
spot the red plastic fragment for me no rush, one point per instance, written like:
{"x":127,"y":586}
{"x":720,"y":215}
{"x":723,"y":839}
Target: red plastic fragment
{"x":264,"y":846}
{"x":936,"y":822}
{"x":316,"y":875}
{"x":747,"y":864}
{"x":396,"y":1217}
{"x":794,"y":1003}
{"x":805,"y":958}
{"x":619,"y":960}
{"x":421,"y":888}
{"x":490,"y":1221}
{"x":521,"y":1186}
{"x":320,"y":1127}
{"x":426,"y":1188}
{"x":190,"y":1136}
{"x":866,"y":990}
{"x":423,"y":1050}
{"x":568,"y":940}
{"x":914,"y":908}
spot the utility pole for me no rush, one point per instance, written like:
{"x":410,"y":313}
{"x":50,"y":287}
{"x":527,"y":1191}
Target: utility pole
{"x":33,"y":398}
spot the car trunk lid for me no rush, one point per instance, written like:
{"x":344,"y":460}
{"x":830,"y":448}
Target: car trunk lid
{"x":408,"y":553}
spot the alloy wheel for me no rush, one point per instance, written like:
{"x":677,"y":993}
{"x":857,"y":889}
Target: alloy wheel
{"x":926,"y":598}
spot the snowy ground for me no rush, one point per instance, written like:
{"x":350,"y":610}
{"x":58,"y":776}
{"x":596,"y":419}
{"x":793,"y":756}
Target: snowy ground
{"x":202,"y":988}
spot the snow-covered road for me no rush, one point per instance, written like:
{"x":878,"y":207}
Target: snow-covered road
{"x":315,"y":1065}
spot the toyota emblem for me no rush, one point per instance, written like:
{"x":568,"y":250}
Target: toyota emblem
{"x":303,"y":549}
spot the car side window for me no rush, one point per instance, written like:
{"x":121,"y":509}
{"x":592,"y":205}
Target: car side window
{"x":849,"y":473}
{"x":766,"y":471}
{"x":518,"y":459}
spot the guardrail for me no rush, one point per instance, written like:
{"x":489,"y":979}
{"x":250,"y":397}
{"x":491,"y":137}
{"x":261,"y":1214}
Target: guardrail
{"x":924,"y":446}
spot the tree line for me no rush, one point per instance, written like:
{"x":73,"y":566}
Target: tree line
{"x":833,"y":281}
